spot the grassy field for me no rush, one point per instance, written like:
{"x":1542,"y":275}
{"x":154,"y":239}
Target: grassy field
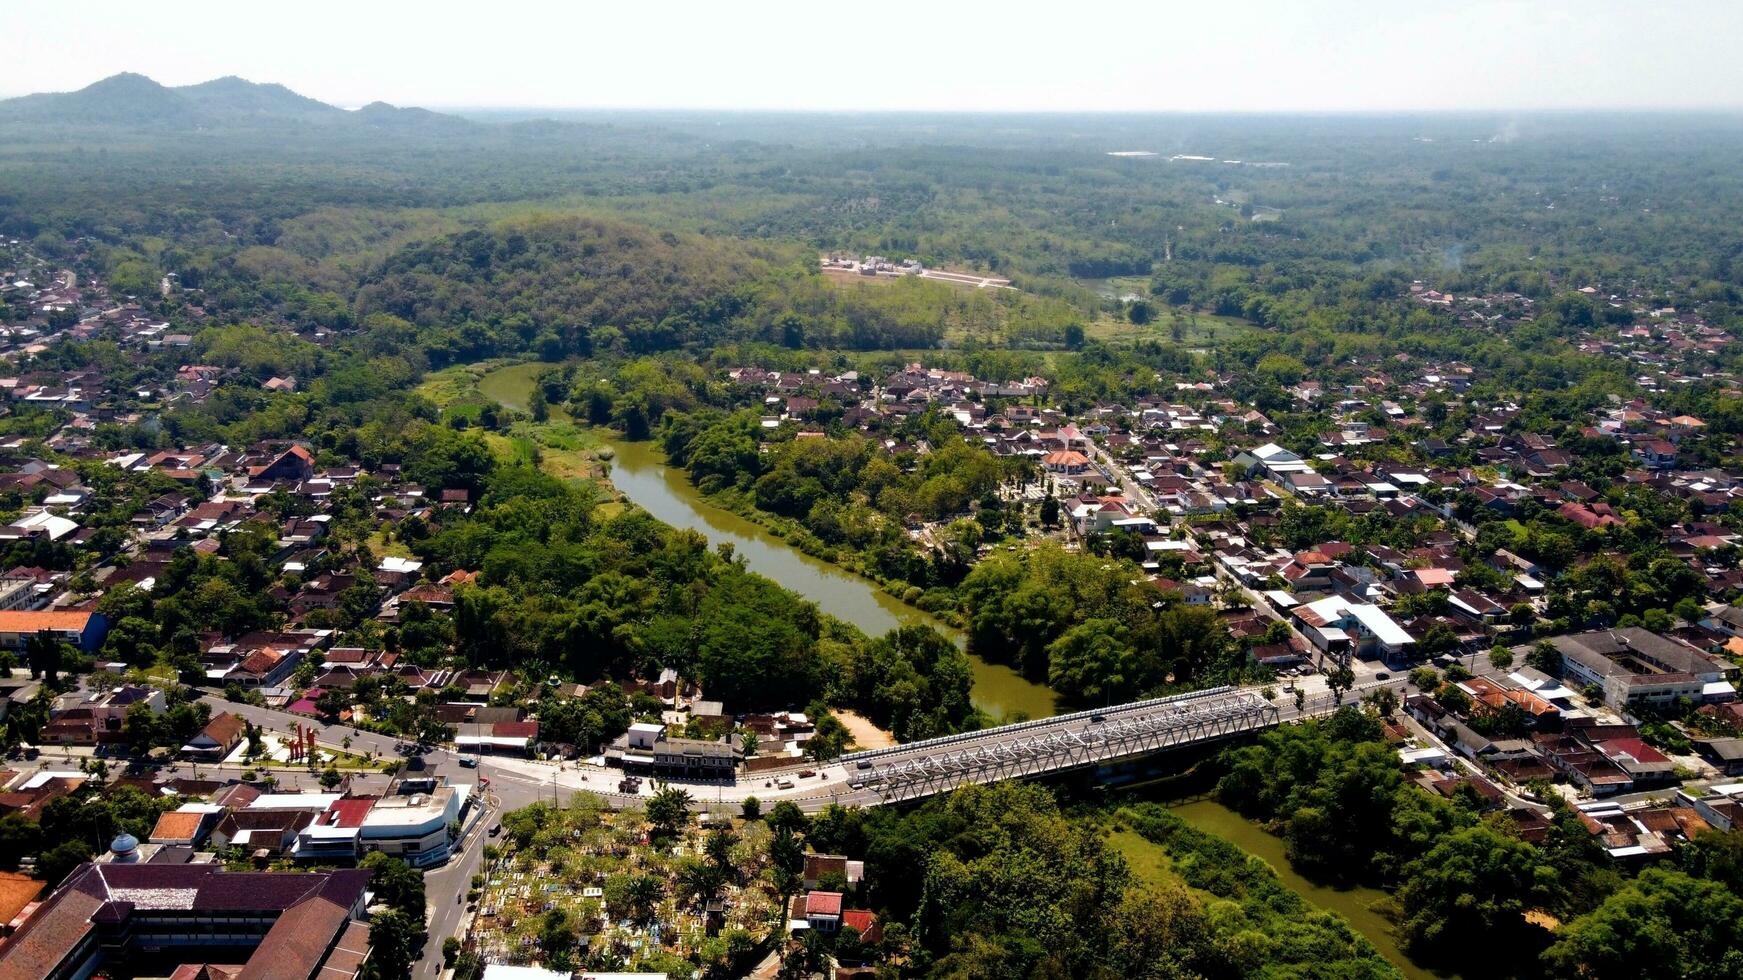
{"x":1148,"y":862}
{"x":563,"y":448}
{"x":380,"y":547}
{"x":1195,"y":329}
{"x":510,"y":385}
{"x":1117,"y":286}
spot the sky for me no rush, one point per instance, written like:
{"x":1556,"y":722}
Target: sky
{"x":1015,"y":55}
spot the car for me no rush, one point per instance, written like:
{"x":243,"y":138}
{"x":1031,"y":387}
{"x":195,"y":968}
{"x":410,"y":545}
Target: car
{"x":497,"y":829}
{"x":1382,"y":676}
{"x":807,"y":773}
{"x":469,"y":761}
{"x":1097,"y":719}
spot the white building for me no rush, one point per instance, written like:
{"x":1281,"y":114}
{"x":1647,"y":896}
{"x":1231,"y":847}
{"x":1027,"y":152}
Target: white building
{"x":414,"y":827}
{"x":1340,"y":627}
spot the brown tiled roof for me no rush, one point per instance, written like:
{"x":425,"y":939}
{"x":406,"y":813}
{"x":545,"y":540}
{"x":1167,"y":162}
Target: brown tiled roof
{"x":224,"y":729}
{"x":313,"y":907}
{"x":346,"y":959}
{"x":16,"y":891}
{"x":297,"y":941}
{"x":29,"y":621}
{"x":47,"y":936}
{"x":262,"y":661}
{"x":176,"y":825}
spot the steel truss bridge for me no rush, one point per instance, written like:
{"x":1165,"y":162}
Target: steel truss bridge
{"x":1058,"y":744}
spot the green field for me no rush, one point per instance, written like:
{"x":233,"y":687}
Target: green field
{"x":563,"y":448}
{"x":1195,"y":329}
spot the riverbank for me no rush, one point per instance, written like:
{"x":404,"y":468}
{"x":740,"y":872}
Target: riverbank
{"x":939,"y":602}
{"x":638,"y":472}
{"x":1151,"y":848}
{"x":866,"y":736}
{"x":1163,"y":843}
{"x":1189,"y":798}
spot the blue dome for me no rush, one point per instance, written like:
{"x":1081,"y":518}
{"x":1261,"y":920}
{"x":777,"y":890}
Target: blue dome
{"x":124,"y":843}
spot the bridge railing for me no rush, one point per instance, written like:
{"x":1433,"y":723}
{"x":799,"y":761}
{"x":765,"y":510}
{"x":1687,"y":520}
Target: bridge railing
{"x":1180,"y":721}
{"x":854,"y":758}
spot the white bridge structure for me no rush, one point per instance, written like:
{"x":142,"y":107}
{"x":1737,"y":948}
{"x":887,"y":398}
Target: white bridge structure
{"x":1058,"y":744}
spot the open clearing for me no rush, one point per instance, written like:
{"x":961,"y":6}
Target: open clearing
{"x":865,"y":734}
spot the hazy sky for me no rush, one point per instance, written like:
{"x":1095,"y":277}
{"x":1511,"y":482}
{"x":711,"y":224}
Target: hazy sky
{"x":934,"y":54}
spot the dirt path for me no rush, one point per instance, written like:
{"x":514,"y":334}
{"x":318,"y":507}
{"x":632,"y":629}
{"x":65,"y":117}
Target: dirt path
{"x":865,"y":734}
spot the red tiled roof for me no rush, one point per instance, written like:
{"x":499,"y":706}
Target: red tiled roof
{"x":1638,"y":750}
{"x":823,"y":903}
{"x":348,"y":812}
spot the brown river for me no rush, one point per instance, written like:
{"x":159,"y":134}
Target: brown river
{"x":639,"y":471}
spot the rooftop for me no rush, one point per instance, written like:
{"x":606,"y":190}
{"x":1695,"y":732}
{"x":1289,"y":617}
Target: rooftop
{"x":310,"y":908}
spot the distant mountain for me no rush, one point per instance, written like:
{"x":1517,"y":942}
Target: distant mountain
{"x":124,"y":99}
{"x":382,"y":115}
{"x":134,"y":101}
{"x":232,"y":97}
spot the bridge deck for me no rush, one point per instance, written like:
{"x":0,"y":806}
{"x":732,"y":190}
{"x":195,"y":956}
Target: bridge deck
{"x":1086,"y":738}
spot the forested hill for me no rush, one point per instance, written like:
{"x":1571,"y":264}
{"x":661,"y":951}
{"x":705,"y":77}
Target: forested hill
{"x":562,"y":286}
{"x":554,"y":283}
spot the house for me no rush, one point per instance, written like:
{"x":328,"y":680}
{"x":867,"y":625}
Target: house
{"x":17,"y":892}
{"x":336,"y":834}
{"x":515,"y":737}
{"x":84,"y":725}
{"x":1645,"y":765}
{"x":186,"y":826}
{"x":1065,"y":462}
{"x":820,"y":868}
{"x":1340,"y":626}
{"x":270,"y":830}
{"x":646,"y":746}
{"x":1655,"y":454}
{"x":47,"y":524}
{"x":1273,"y":460}
{"x":1726,"y":754}
{"x":265,"y":667}
{"x":295,"y":464}
{"x":823,"y":911}
{"x":217,"y":740}
{"x":1591,"y":517}
{"x":865,"y":922}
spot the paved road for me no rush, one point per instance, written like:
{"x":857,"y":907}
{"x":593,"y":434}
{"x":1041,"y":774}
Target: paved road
{"x":1128,"y":486}
{"x":445,"y":890}
{"x":361,"y":741}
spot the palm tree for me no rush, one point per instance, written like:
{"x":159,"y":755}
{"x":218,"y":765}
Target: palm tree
{"x":787,"y":861}
{"x":668,"y":810}
{"x":643,"y":894}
